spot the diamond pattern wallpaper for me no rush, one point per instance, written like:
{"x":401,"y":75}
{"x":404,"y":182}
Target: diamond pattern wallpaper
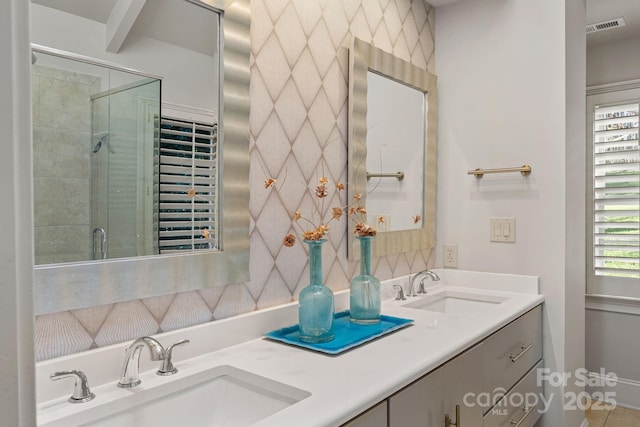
{"x":299,"y":87}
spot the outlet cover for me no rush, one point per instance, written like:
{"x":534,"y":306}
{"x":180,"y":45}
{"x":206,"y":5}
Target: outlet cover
{"x":451,"y":256}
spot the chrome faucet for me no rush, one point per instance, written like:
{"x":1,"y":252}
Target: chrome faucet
{"x":421,"y":290}
{"x":167,"y":367}
{"x":131,"y":370}
{"x":399,"y":293}
{"x":81,"y":391}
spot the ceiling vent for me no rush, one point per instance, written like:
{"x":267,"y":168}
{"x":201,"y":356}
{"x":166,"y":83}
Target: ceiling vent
{"x":605,"y":25}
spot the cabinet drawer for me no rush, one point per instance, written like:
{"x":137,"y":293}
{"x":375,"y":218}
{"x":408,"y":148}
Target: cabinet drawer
{"x":512,"y":351}
{"x":522,"y":406}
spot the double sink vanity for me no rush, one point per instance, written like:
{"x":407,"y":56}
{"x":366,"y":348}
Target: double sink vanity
{"x":473,"y":333}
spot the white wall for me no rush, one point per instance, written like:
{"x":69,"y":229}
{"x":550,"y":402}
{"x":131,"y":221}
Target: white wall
{"x":505,"y":99}
{"x":613,"y":62}
{"x":17,"y":390}
{"x":188,"y":77}
{"x":609,"y":346}
{"x":612,"y":349}
{"x":607,"y":340}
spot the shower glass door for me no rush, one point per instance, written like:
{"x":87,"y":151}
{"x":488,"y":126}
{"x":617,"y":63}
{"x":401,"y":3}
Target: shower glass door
{"x":123,"y":164}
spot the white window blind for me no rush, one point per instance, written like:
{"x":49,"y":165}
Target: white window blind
{"x":616,"y":193}
{"x":188,"y":179}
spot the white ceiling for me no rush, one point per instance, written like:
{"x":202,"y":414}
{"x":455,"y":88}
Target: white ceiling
{"x":96,"y":10}
{"x":158,"y":20}
{"x":599,"y":11}
{"x":603,"y":10}
{"x":153,"y":23}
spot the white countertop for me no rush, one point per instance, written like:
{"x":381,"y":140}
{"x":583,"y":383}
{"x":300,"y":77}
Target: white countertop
{"x":340,"y":386}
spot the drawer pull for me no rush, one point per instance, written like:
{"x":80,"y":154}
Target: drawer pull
{"x":527,"y":411}
{"x":514,"y":357}
{"x":447,"y":420}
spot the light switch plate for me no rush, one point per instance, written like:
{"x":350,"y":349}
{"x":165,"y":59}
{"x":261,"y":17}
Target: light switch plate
{"x":502,"y":230}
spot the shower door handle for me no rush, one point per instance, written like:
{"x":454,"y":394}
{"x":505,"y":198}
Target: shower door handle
{"x":103,"y":243}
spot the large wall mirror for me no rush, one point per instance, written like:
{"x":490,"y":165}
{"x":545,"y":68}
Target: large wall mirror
{"x":392,"y":148}
{"x":140,"y":142}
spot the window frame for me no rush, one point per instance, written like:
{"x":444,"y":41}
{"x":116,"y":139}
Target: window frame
{"x":605,"y":286}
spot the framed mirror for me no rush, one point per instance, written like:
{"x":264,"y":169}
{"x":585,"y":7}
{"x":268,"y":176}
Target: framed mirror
{"x":161,"y":139}
{"x":392,"y":149}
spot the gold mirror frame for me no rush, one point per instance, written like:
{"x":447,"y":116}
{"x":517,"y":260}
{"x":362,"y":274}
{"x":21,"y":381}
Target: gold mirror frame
{"x":88,"y":284}
{"x":364,"y":57}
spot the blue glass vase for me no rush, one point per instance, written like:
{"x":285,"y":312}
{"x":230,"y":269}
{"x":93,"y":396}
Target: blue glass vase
{"x":315,"y":310}
{"x":364,"y":298}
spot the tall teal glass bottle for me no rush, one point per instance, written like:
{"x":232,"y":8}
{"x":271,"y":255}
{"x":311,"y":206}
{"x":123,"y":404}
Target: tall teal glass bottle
{"x":315,"y":311}
{"x":364,"y":299}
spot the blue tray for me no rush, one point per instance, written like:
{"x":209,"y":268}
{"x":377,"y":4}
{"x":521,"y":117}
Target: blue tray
{"x":347,"y":334}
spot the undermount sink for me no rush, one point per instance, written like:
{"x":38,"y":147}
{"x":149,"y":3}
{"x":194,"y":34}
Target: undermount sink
{"x":223,"y":396}
{"x":452,"y":302}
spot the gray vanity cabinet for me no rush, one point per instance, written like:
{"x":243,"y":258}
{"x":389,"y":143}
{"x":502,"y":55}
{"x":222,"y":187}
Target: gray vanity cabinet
{"x":463,"y":379}
{"x":374,"y":417}
{"x":421,"y":404}
{"x":511,"y":411}
{"x":512,"y":351}
{"x":505,"y":362}
{"x":426,"y":402}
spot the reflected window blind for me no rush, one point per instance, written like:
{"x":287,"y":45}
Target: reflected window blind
{"x":188,"y":178}
{"x":616,"y":197}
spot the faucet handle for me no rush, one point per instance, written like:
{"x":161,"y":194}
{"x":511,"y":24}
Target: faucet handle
{"x":81,"y":391}
{"x":421,"y":289}
{"x":400,"y":294}
{"x":167,"y":367}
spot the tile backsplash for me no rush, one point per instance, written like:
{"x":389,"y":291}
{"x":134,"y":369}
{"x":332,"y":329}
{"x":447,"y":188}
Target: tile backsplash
{"x":299,"y":87}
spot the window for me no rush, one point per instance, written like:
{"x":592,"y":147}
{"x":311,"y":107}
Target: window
{"x":188,"y":180}
{"x":614,"y":219}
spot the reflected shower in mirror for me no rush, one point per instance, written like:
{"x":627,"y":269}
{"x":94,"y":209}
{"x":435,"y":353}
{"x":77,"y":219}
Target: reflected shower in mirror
{"x":122,"y":168}
{"x":392,"y":148}
{"x":94,"y":160}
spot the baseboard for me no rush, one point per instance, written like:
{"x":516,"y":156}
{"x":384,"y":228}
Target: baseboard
{"x":625,"y":392}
